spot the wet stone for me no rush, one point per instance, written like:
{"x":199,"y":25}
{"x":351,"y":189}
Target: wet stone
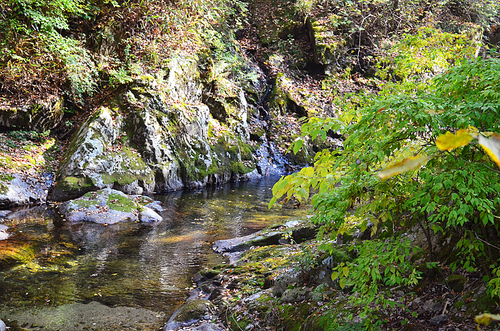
{"x":109,"y":206}
{"x":3,"y":232}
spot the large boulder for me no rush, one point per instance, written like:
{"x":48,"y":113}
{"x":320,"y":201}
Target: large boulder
{"x":96,"y":158}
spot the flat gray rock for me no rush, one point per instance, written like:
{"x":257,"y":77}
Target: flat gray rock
{"x":16,"y":191}
{"x":109,"y":206}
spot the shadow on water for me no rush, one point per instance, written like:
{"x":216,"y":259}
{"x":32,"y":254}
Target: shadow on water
{"x":52,"y":270}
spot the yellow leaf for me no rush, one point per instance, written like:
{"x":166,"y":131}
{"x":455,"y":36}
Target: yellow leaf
{"x":449,"y":141}
{"x":491,"y":146}
{"x":403,"y":166}
{"x":486,"y":318}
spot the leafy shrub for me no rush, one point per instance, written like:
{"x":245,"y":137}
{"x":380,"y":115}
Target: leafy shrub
{"x":454,"y":191}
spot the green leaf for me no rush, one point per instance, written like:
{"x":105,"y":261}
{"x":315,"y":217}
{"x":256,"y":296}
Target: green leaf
{"x":342,"y":283}
{"x":403,"y":166}
{"x":272,"y":202}
{"x":297,"y":145}
{"x":335,"y":275}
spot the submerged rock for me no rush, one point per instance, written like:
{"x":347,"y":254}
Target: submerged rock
{"x":90,"y":316}
{"x":109,"y":206}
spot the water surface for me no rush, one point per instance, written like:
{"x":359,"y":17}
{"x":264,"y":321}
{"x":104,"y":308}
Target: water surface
{"x":76,"y":276}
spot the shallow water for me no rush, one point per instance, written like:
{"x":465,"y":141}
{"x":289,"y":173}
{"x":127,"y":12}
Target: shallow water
{"x":138,"y":273}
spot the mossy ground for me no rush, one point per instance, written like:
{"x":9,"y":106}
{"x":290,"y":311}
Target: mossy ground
{"x":26,"y":152}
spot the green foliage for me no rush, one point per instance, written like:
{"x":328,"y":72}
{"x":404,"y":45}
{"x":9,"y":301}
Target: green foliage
{"x":378,"y":263}
{"x":79,"y":67}
{"x":456,"y":192}
{"x":429,"y":51}
{"x":30,"y":135}
{"x":27,"y":16}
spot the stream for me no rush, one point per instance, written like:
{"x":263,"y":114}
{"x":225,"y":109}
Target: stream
{"x":85,"y":276}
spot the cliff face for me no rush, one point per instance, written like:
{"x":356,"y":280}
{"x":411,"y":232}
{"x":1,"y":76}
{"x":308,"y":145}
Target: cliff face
{"x":159,"y":135}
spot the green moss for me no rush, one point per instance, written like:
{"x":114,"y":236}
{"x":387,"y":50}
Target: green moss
{"x":3,"y":188}
{"x":456,"y":282}
{"x":133,"y":168}
{"x":6,"y":177}
{"x":193,"y":310}
{"x":293,"y":316}
{"x":239,"y":168}
{"x":71,"y":183}
{"x":122,"y":203}
{"x":484,"y":303}
{"x":6,"y":162}
{"x":86,"y":203}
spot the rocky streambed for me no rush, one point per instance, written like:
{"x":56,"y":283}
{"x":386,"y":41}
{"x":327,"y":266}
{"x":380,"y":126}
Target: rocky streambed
{"x":55,"y":272}
{"x":279,"y":279}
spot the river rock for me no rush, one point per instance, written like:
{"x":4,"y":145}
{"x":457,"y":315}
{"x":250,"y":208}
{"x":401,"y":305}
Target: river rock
{"x":190,"y":313}
{"x":4,"y":213}
{"x":3,"y":232}
{"x":297,"y":231}
{"x":16,"y":191}
{"x":109,"y":206}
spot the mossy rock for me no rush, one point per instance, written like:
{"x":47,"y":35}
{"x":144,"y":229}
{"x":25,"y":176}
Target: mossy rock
{"x":108,"y":207}
{"x":193,"y":310}
{"x":456,"y":282}
{"x":329,"y":45}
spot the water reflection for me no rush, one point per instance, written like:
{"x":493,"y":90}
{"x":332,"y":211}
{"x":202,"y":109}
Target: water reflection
{"x":129,"y":264}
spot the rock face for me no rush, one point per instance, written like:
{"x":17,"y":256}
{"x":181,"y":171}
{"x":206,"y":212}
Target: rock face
{"x":110,"y":206}
{"x":158,"y":136}
{"x":41,"y":116}
{"x":329,"y":46}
